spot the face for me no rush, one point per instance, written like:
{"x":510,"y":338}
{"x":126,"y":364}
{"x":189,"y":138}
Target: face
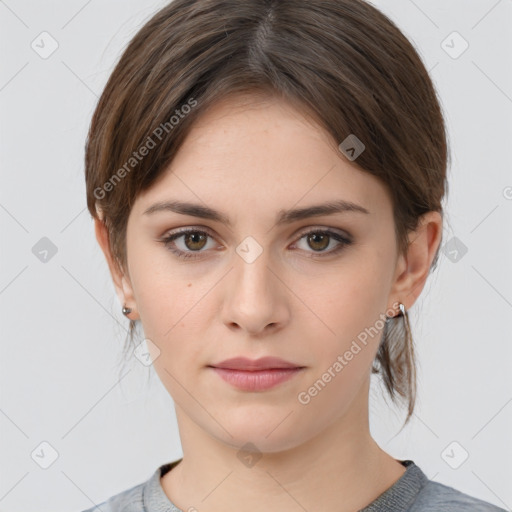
{"x":254,"y":280}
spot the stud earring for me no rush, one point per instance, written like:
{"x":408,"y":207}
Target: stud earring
{"x":126,"y":311}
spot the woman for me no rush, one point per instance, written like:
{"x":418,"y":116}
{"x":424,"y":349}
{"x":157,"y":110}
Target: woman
{"x":266,"y":181}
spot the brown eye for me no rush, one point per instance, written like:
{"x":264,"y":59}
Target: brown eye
{"x":195,"y":240}
{"x":187,"y":243}
{"x":318,"y":241}
{"x":323,"y":242}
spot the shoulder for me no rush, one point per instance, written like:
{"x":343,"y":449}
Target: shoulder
{"x":435,"y":496}
{"x":130,"y":500}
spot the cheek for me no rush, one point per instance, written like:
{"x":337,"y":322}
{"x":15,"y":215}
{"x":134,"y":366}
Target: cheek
{"x":351,"y":294}
{"x":351,"y":305}
{"x":172,"y":316}
{"x":343,"y":360}
{"x":161,"y":294}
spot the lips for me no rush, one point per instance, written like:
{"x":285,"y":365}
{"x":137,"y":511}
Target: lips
{"x":256,"y":375}
{"x":263,"y":363}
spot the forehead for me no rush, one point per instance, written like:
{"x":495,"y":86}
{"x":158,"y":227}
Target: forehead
{"x":261,"y":153}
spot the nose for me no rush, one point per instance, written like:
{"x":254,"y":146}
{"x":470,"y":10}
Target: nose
{"x":255,"y":297}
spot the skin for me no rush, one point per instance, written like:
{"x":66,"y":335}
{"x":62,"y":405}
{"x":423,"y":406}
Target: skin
{"x":250,"y":159}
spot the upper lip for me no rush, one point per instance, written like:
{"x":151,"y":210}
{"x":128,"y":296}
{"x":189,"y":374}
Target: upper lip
{"x":263,"y":363}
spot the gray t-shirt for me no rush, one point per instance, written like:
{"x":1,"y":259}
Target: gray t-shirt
{"x":413,"y":492}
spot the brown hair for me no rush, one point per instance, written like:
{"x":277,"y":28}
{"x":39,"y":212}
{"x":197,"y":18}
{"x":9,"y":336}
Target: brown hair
{"x":342,"y":62}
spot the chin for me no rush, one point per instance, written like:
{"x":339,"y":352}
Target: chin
{"x":266,"y":434}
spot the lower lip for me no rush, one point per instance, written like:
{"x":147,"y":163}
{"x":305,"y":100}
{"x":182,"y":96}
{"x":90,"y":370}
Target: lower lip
{"x":257,"y":380}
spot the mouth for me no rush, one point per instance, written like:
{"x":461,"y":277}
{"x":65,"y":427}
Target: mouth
{"x":263,"y":363}
{"x":256,"y":375}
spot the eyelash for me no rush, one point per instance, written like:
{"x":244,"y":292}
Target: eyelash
{"x":168,"y":242}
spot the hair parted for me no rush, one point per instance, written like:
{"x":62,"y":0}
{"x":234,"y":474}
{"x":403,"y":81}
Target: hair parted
{"x":341,"y":62}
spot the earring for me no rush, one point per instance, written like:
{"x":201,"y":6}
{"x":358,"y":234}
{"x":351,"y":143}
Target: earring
{"x":126,"y":311}
{"x":402,"y":311}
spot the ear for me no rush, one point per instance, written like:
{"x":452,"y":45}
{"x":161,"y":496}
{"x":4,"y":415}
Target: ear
{"x":413,"y":268}
{"x":121,"y":281}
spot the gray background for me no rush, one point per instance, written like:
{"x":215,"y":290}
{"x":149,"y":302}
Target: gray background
{"x":61,"y":325}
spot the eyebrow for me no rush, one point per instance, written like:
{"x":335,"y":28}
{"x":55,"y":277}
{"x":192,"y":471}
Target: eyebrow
{"x":283,"y":216}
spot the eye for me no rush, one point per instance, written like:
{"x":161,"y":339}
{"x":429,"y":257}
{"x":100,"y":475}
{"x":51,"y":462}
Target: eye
{"x":320,"y":239}
{"x":193,"y":241}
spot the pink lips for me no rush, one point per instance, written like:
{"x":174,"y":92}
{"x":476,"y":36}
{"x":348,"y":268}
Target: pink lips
{"x":256,"y":375}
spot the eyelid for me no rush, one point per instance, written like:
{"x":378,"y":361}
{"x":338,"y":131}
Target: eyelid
{"x":343,"y":240}
{"x":186,"y":229}
{"x":320,"y":228}
{"x":300,"y":233}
